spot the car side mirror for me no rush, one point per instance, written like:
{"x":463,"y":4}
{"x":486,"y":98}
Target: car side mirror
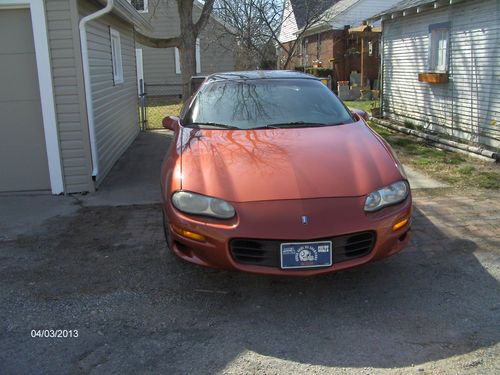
{"x":170,"y":122}
{"x":360,"y":113}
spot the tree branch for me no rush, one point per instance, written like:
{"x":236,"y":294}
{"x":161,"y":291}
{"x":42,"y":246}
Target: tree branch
{"x":204,"y":17}
{"x":150,"y":41}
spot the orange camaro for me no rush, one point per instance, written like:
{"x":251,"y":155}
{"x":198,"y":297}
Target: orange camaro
{"x":270,"y":173}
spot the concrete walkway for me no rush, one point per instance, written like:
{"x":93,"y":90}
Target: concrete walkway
{"x":135,"y":178}
{"x":421,"y":181}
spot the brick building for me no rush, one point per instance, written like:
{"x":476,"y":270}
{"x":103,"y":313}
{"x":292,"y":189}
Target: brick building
{"x":336,"y":38}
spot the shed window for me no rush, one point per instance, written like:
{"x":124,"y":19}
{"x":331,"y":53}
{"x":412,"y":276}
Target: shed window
{"x":438,"y":54}
{"x":140,"y":5}
{"x":197,"y":57}
{"x":116,"y":56}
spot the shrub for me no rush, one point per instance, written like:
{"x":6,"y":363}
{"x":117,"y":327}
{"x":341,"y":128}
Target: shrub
{"x":318,"y":72}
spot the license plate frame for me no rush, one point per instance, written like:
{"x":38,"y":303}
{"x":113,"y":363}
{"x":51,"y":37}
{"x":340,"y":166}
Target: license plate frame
{"x":303,"y":255}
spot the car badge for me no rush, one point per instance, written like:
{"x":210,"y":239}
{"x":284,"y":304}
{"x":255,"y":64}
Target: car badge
{"x":305,"y":220}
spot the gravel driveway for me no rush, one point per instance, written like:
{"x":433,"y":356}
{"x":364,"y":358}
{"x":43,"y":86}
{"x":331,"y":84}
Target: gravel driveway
{"x":106,"y":272}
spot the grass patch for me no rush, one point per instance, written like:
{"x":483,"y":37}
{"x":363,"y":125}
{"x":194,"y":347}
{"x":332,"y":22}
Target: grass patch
{"x":454,"y":168}
{"x":467,"y":170}
{"x":411,"y":125}
{"x":365,"y":105}
{"x":157,"y":111}
{"x":488,"y":180}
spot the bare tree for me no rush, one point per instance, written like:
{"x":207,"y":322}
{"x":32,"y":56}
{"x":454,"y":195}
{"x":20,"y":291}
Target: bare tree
{"x":257,"y":23}
{"x":245,"y":23}
{"x":308,"y":14}
{"x":185,"y":41}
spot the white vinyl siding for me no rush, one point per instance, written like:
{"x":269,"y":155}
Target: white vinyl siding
{"x":115,"y":106}
{"x":288,"y":24}
{"x":116,"y":56}
{"x":62,"y":25}
{"x":468,"y":106}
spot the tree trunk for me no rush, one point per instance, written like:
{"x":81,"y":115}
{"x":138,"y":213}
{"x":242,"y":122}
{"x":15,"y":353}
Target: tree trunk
{"x":186,"y":41}
{"x":187,"y":52}
{"x":290,"y":55}
{"x":187,"y":47}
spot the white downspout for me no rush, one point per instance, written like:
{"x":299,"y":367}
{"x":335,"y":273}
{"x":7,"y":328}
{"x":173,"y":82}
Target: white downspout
{"x":87,"y":82}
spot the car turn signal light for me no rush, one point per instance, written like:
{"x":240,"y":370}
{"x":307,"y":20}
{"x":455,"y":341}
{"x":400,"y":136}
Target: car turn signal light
{"x":188,"y":234}
{"x":400,"y":224}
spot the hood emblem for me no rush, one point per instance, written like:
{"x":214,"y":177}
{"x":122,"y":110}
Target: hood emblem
{"x":305,"y":220}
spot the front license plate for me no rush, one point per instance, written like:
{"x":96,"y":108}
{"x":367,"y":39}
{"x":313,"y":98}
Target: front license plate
{"x":306,"y":254}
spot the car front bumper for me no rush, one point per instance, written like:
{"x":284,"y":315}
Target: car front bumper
{"x":281,"y":221}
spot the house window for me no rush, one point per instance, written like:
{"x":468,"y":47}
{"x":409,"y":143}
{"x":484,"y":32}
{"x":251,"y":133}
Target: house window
{"x":438,"y":52}
{"x":197,"y":57}
{"x":140,"y":5}
{"x":116,"y":56}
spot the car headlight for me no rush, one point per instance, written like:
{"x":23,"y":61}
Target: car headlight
{"x":197,"y":204}
{"x":391,"y":194}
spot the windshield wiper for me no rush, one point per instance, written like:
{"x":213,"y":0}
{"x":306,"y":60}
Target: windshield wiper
{"x":294,"y":124}
{"x":213,"y":124}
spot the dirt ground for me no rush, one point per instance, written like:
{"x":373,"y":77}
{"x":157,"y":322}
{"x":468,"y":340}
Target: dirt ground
{"x":106,"y":272}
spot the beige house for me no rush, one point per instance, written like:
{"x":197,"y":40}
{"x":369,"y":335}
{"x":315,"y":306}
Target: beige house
{"x":68,"y":96}
{"x":161,"y":66}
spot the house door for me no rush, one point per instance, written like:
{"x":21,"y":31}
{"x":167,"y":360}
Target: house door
{"x":23,"y":157}
{"x":140,"y":70}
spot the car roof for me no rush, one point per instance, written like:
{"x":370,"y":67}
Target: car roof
{"x":259,"y":74}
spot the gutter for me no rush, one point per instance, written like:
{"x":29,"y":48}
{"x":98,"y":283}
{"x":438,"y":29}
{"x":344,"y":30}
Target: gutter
{"x":87,"y":83}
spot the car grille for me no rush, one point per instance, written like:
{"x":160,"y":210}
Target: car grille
{"x":267,"y":252}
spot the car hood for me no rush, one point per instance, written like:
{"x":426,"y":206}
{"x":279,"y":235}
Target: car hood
{"x":293,"y":163}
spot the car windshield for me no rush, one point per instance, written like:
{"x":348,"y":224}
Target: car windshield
{"x":265,"y":103}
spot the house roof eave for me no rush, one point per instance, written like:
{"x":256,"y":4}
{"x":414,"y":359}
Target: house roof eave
{"x":127,"y":12}
{"x":408,"y":7}
{"x":230,"y":28}
{"x":319,"y":28}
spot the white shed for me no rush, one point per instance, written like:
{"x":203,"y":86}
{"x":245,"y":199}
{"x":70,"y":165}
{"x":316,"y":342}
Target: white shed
{"x":441,"y":67}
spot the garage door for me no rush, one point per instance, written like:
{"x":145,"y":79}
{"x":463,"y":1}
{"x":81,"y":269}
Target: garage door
{"x":23,"y":157}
